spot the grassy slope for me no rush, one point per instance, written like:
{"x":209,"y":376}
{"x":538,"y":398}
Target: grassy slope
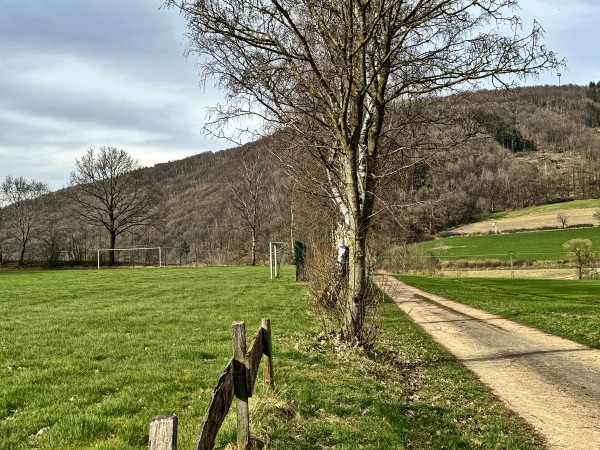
{"x":575,"y":204}
{"x":543,"y":245}
{"x":567,"y":308}
{"x":88,"y":357}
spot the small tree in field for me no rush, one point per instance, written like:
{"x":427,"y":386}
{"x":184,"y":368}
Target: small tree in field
{"x":579,"y":251}
{"x":108,"y":190}
{"x":562,"y":218}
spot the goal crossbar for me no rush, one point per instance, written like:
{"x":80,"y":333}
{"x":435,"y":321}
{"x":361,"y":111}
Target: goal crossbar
{"x":131,"y":249}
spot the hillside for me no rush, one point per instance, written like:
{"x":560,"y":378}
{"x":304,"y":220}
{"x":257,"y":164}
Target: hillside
{"x":573,"y":213}
{"x":534,"y":146}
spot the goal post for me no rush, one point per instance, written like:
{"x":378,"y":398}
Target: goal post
{"x":277,"y":253}
{"x":130,"y":250}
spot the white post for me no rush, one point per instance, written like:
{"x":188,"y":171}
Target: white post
{"x":271,"y":259}
{"x":98,"y":259}
{"x":159,"y":257}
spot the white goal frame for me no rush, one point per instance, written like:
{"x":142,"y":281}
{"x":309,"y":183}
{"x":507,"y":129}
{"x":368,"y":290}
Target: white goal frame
{"x":274,"y":263}
{"x":131,"y":249}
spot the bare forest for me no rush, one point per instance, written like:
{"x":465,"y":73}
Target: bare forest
{"x":530,"y":146}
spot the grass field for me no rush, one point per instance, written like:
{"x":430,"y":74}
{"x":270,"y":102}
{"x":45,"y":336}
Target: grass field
{"x":575,"y":204}
{"x":567,"y":308}
{"x":542,"y":245}
{"x":87,"y":358}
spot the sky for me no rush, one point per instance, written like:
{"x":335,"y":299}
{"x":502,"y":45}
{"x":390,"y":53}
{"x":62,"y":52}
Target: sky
{"x":76,"y":75}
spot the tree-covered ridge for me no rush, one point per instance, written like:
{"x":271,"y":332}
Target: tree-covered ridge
{"x":423,"y":197}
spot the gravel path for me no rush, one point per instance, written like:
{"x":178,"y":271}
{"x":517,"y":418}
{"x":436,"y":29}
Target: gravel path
{"x":551,"y":382}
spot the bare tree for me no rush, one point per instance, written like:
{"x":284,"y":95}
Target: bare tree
{"x":563,"y":219}
{"x":331,"y":71}
{"x":24,"y":209}
{"x":108,"y":190}
{"x":247,"y":185}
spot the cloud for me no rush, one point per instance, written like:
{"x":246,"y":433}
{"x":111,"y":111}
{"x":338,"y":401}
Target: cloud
{"x":79,"y":75}
{"x":83,"y":74}
{"x":571,"y":31}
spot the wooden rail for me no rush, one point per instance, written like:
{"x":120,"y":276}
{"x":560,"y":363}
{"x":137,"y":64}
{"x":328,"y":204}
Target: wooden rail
{"x":237,"y":380}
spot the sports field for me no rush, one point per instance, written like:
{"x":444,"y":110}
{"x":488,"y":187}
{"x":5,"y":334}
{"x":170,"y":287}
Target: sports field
{"x":88,"y":357}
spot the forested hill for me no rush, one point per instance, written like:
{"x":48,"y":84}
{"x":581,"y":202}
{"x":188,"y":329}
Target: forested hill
{"x":536,"y":145}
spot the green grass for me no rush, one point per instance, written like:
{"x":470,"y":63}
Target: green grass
{"x":566,"y":308}
{"x":542,"y":245}
{"x":91,"y":356}
{"x":575,"y":204}
{"x":407,"y":393}
{"x":87,"y":358}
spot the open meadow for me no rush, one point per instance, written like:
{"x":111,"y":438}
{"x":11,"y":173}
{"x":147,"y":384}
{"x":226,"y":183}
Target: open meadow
{"x":539,"y":245}
{"x":88,"y":357}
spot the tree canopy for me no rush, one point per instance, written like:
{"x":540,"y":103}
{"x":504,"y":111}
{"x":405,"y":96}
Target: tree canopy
{"x":107,"y":191}
{"x":24,"y":212}
{"x":332,"y":70}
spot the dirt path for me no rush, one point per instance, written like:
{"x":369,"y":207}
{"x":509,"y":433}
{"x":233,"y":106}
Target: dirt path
{"x":551,"y":382}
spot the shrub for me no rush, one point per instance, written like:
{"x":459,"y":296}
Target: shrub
{"x":445,"y":234}
{"x":411,"y":259}
{"x":582,"y":225}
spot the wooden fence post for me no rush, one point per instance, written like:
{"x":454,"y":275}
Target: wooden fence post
{"x":163,"y":433}
{"x":268,"y":352}
{"x":240,"y":383}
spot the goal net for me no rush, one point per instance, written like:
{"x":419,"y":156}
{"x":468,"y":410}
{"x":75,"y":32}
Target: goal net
{"x":277,"y":254}
{"x":138,"y":256}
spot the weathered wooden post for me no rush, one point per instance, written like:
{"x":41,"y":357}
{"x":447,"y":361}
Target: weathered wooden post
{"x":268,"y":352}
{"x":237,"y":380}
{"x":163,"y":433}
{"x":241,"y":384}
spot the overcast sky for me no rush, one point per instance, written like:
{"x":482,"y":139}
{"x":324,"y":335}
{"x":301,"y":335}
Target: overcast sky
{"x":80,"y":74}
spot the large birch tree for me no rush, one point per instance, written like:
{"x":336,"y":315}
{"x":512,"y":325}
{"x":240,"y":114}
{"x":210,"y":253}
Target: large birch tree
{"x":331,"y":69}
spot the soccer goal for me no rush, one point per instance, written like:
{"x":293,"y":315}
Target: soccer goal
{"x":138,"y":256}
{"x":277,"y":254}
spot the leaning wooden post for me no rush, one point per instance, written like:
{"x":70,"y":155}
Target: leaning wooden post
{"x":240,"y":385}
{"x":163,"y":433}
{"x":268,"y":352}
